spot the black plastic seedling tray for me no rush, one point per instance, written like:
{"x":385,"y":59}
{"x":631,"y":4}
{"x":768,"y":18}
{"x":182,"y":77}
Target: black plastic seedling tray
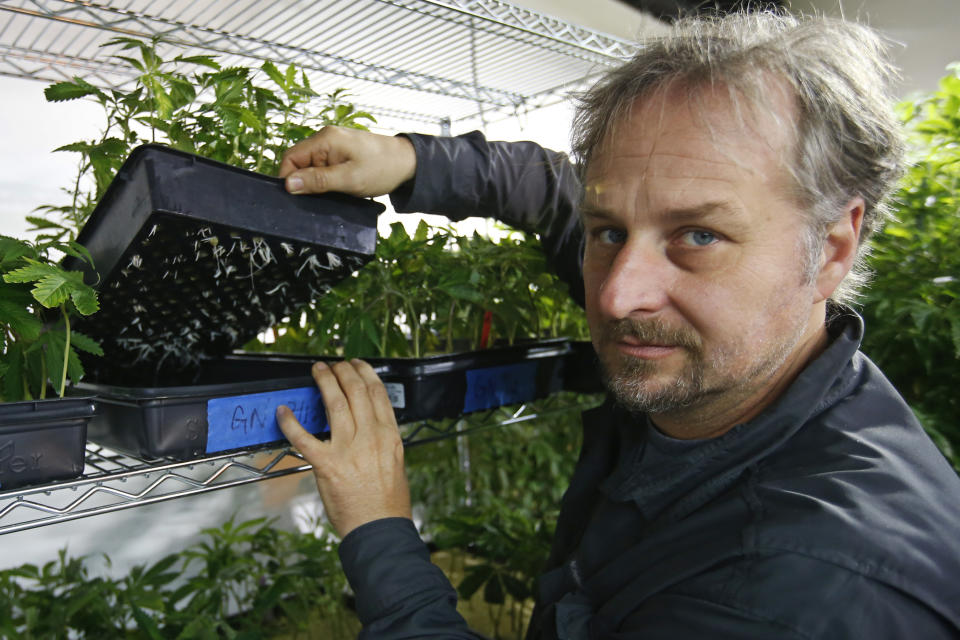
{"x":43,"y":440}
{"x":195,"y":257}
{"x":233,"y":405}
{"x":439,"y":386}
{"x":186,"y":422}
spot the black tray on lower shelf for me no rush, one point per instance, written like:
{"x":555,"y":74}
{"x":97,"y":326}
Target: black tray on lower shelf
{"x":233,"y":403}
{"x":440,"y":386}
{"x":43,"y":440}
{"x":192,"y":421}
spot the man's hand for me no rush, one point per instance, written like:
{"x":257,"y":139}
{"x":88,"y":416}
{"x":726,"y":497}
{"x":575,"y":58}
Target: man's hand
{"x":349,"y":161}
{"x":359,"y":471}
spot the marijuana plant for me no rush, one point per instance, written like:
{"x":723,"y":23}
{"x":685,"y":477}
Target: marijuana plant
{"x":37,"y":299}
{"x":224,"y":113}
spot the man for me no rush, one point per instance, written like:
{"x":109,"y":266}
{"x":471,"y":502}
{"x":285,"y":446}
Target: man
{"x":752,"y":474}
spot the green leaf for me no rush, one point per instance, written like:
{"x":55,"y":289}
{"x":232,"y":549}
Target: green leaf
{"x":955,"y":327}
{"x":250,"y":119}
{"x":133,"y":62}
{"x":475,"y":578}
{"x":20,"y":320}
{"x":398,"y":232}
{"x":62,"y":91}
{"x":84,"y":298}
{"x":43,"y":223}
{"x":53,"y":290}
{"x":33,"y":272}
{"x":54,"y":344}
{"x":85,"y":343}
{"x":145,"y":622}
{"x":422,"y":233}
{"x":13,"y":378}
{"x":11,"y":250}
{"x":205,"y":61}
{"x":271,"y":70}
{"x":76,"y":250}
{"x":79,"y":147}
{"x":463,"y":291}
{"x":517,"y":589}
{"x":493,"y":591}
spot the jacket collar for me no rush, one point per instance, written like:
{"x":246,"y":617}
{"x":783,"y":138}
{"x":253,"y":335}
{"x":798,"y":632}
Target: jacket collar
{"x":675,"y":485}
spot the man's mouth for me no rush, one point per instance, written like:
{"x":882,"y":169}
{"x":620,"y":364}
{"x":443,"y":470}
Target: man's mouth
{"x":648,"y":340}
{"x":645,"y":350}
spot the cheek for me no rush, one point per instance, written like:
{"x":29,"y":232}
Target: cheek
{"x":717,"y":308}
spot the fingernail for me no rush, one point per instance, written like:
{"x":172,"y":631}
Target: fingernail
{"x":281,"y":410}
{"x":294,"y":184}
{"x":319,"y":366}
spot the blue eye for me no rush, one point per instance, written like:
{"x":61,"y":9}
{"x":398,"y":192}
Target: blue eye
{"x":611,"y":236}
{"x":699,"y":238}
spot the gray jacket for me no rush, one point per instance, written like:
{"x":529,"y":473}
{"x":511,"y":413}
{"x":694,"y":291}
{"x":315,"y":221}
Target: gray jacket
{"x":830,"y":515}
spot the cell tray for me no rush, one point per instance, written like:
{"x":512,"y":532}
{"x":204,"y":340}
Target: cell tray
{"x":195,"y":257}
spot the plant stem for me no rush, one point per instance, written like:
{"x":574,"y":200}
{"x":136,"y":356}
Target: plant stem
{"x":414,"y":319}
{"x":453,"y":307}
{"x":43,"y":381}
{"x":66,"y":350}
{"x":386,"y":330}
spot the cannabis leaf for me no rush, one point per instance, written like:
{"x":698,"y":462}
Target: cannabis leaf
{"x":54,"y":286}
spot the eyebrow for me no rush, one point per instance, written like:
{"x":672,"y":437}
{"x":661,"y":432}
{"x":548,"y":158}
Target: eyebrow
{"x":680,"y":214}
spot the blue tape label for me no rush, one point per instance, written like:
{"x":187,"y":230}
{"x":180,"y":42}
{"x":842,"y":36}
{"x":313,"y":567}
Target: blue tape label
{"x":242,"y":421}
{"x":497,"y":386}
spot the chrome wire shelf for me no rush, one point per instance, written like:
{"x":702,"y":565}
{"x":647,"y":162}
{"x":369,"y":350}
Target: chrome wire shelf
{"x":113,"y":481}
{"x":407,"y":61}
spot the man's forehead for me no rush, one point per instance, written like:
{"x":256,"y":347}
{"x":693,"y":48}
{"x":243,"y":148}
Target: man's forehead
{"x":719,"y":121}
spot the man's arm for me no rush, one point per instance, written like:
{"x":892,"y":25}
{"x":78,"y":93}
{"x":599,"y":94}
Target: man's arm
{"x":519,"y":183}
{"x":363,"y":485}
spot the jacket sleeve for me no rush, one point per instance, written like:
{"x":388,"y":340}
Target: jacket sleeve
{"x":519,"y":183}
{"x":400,"y":594}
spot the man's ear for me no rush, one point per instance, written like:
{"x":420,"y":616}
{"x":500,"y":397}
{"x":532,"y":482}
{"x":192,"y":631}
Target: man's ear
{"x":840,"y":248}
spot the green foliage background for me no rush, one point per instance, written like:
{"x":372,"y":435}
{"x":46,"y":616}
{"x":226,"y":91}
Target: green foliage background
{"x":238,"y":115}
{"x":430,"y":293}
{"x":912,"y":308}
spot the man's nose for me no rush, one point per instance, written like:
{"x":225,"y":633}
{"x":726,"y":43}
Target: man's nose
{"x":637,"y":282}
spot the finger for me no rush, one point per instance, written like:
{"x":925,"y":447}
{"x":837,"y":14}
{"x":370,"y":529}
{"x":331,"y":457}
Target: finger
{"x":358,"y":397}
{"x":305,"y":153}
{"x":382,"y":409}
{"x":321,"y":179}
{"x":343,"y":427}
{"x":303,"y":440}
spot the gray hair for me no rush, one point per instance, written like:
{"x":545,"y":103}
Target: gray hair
{"x":847,"y":140}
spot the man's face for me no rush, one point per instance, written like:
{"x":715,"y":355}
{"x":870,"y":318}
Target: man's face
{"x":696,"y":296}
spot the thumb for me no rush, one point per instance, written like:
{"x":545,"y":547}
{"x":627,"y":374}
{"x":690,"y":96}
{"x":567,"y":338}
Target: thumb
{"x":321,"y":180}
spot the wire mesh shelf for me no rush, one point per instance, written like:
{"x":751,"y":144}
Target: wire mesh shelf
{"x":454,"y":60}
{"x":113,"y":481}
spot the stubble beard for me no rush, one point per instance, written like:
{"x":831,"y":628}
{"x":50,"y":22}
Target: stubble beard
{"x":633,"y":381}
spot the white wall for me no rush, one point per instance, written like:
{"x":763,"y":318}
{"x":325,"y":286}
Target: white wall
{"x":30,"y":129}
{"x":927,"y":33}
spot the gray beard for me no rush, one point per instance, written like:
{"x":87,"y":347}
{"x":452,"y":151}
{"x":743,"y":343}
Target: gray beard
{"x":630,"y":387}
{"x":629,"y":380}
